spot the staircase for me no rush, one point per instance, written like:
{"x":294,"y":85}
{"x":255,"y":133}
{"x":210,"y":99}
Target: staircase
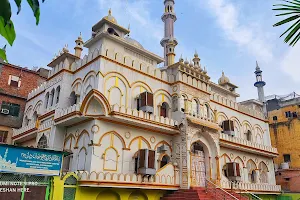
{"x":211,"y":191}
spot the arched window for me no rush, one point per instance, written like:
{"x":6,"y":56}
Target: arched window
{"x":224,"y":170}
{"x":248,"y":135}
{"x":57,"y":94}
{"x":47,"y":100}
{"x":26,"y":121}
{"x":164,"y":160}
{"x":206,"y":112}
{"x":197,"y":147}
{"x":251,"y":167}
{"x":42,"y":144}
{"x":263,"y":172}
{"x":81,"y":159}
{"x":183,"y":103}
{"x":164,"y":109}
{"x":175,"y":103}
{"x":195,"y":107}
{"x":70,"y":188}
{"x":52,"y":97}
{"x":73,"y":98}
{"x":35,"y":116}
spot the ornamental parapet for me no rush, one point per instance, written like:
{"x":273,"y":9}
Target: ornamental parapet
{"x":164,"y":181}
{"x":31,"y":127}
{"x":236,"y":106}
{"x":240,"y":143}
{"x":61,"y":112}
{"x":252,"y":187}
{"x":144,"y":116}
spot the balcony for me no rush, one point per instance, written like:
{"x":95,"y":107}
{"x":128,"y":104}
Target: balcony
{"x":68,"y":116}
{"x":142,"y":119}
{"x":25,"y":130}
{"x":252,"y":187}
{"x":165,"y":179}
{"x":203,"y":121}
{"x":245,"y":145}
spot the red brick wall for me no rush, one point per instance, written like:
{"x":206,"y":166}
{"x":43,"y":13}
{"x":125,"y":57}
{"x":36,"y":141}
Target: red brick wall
{"x":289,"y":180}
{"x":29,"y":80}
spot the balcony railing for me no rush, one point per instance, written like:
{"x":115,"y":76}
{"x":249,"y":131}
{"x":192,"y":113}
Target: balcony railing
{"x":129,"y":180}
{"x":67,"y":111}
{"x":247,"y":143}
{"x":257,"y":187}
{"x":30,"y":126}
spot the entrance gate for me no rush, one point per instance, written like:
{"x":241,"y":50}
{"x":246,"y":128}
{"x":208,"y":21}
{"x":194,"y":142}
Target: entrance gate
{"x":23,"y":187}
{"x":198,"y":175}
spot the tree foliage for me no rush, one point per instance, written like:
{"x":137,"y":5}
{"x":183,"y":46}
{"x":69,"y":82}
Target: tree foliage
{"x":7,"y":29}
{"x":290,"y":9}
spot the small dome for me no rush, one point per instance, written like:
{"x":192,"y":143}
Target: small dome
{"x":111,"y":18}
{"x":134,"y":42}
{"x":224,"y":79}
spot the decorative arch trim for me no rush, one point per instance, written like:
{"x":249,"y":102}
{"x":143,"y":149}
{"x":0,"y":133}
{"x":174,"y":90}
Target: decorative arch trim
{"x":239,"y":158}
{"x":140,"y":83}
{"x":114,"y":73}
{"x":163,"y":142}
{"x":77,"y":80}
{"x":99,"y":96}
{"x":222,"y":114}
{"x":226,"y":156}
{"x":89,"y":74}
{"x":236,"y":119}
{"x":40,"y":102}
{"x":116,"y":134}
{"x":142,"y":138}
{"x":71,"y":136}
{"x":263,"y":163}
{"x":250,"y":160}
{"x":81,"y":134}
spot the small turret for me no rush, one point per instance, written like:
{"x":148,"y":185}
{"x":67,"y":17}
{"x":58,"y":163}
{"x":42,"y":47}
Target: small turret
{"x":79,"y":46}
{"x":196,"y":59}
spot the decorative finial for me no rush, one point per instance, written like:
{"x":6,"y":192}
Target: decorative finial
{"x":181,"y":59}
{"x":129,"y":27}
{"x":204,"y":71}
{"x":109,"y":12}
{"x":186,"y":61}
{"x":257,"y":66}
{"x":196,"y":54}
{"x":223,"y":73}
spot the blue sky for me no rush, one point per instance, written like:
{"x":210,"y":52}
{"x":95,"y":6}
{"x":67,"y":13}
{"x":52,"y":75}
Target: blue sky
{"x":229,"y":36}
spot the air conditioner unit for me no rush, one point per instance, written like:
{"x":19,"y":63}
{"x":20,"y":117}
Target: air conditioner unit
{"x":233,"y":171}
{"x":146,"y":102}
{"x":228,"y":127}
{"x":146,"y":162}
{"x":4,"y":111}
{"x":163,"y":148}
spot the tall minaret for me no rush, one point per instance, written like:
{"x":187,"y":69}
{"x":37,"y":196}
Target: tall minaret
{"x":169,"y":42}
{"x":259,"y":84}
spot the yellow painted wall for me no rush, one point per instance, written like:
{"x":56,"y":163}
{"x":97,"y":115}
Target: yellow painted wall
{"x":285,"y":135}
{"x":97,"y":193}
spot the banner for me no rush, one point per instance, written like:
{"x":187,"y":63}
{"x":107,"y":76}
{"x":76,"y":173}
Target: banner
{"x":15,"y":159}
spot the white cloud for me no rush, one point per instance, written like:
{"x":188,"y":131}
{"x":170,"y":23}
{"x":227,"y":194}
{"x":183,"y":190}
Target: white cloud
{"x":290,"y":63}
{"x":244,"y":35}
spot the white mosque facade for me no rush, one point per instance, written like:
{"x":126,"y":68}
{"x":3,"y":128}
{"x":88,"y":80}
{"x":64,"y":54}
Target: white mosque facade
{"x":130,"y":124}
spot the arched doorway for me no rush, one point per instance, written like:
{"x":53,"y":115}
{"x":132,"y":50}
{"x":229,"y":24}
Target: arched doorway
{"x":198,"y":171}
{"x":108,"y":195}
{"x":137,"y":195}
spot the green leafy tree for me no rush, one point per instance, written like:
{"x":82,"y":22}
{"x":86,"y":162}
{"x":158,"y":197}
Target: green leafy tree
{"x":7,"y":29}
{"x":290,"y":9}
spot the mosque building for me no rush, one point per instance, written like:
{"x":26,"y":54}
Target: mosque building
{"x":136,"y":131}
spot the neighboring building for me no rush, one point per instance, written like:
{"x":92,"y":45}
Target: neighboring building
{"x":123,"y":118}
{"x":15,"y":84}
{"x":284,"y":115}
